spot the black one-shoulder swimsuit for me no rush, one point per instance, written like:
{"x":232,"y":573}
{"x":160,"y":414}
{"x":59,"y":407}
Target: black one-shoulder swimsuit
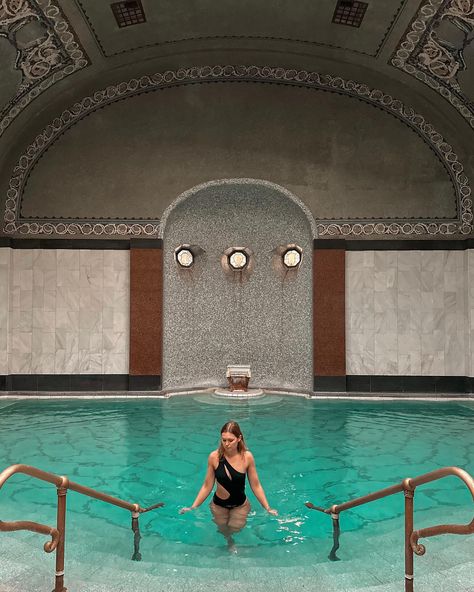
{"x":234,"y":485}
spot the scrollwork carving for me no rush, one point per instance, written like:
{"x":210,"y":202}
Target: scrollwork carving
{"x":47,"y":57}
{"x":463,"y":225}
{"x":424,"y":53}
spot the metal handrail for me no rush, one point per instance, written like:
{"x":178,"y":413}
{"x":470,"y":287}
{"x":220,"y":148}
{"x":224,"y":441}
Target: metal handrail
{"x":408,"y":486}
{"x":49,"y":546}
{"x":58,"y":533}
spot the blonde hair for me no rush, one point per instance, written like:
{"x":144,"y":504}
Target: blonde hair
{"x":233,"y":428}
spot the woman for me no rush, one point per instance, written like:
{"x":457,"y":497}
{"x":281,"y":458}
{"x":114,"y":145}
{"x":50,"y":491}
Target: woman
{"x":228,"y":465}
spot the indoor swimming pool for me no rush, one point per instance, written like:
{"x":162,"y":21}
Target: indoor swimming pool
{"x":155,"y":450}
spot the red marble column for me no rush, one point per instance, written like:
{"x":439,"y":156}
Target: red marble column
{"x":146,"y":316}
{"x":329,"y":325}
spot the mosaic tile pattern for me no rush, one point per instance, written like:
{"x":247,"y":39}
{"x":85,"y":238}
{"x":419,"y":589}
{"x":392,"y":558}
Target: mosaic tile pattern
{"x":406,"y":313}
{"x":212,"y":319}
{"x":69,"y":312}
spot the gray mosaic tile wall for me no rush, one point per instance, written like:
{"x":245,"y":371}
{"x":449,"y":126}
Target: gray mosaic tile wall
{"x":212,"y":319}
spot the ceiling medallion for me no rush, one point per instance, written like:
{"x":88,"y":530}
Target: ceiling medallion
{"x":52,"y":53}
{"x":426,"y":54}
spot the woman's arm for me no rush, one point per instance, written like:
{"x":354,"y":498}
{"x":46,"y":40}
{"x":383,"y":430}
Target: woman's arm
{"x":206,"y":486}
{"x":256,"y":485}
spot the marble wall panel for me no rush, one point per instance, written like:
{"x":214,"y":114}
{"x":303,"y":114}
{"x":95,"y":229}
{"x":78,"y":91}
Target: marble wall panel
{"x":469,"y":321}
{"x":58,"y":302}
{"x":406,"y":312}
{"x":5,"y":269}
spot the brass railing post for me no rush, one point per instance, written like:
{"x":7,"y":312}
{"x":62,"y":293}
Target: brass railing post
{"x":61,"y":526}
{"x":409,"y":493}
{"x":59,"y":534}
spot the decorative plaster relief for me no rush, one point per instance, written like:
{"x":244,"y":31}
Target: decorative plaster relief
{"x":46,"y":47}
{"x":302,"y":78}
{"x":433,"y":48}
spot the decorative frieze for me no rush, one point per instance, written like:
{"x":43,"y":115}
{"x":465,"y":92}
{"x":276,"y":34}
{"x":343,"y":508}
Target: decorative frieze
{"x":418,"y":227}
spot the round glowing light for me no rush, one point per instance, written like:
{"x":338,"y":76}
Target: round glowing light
{"x":185,"y":257}
{"x":238,"y":260}
{"x":292,"y":258}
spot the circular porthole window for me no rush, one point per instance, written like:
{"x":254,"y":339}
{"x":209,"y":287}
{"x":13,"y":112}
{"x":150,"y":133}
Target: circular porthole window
{"x":238,"y":260}
{"x":292,"y":257}
{"x":184,"y":256}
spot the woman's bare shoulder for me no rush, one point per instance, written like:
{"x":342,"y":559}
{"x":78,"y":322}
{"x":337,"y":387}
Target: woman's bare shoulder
{"x":214,"y":456}
{"x":249,"y":456}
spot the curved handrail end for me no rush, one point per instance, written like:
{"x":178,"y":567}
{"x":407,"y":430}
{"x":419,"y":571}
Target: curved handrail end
{"x":49,"y":546}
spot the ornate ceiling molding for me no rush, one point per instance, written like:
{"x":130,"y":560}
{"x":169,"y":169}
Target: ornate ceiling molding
{"x":463,"y":224}
{"x":51,"y":53}
{"x":422,"y":53}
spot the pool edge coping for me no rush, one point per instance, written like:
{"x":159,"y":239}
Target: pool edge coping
{"x":361,"y":396}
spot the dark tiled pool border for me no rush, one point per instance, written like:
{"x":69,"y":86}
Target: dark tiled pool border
{"x":394,"y":384}
{"x":78,"y":382}
{"x":351,"y":384}
{"x":318,"y":244}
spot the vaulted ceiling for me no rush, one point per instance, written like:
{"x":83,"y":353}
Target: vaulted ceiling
{"x":54,"y":53}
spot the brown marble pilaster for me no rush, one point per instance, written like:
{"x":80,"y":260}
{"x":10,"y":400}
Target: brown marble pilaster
{"x":329,"y":334}
{"x":146,"y":312}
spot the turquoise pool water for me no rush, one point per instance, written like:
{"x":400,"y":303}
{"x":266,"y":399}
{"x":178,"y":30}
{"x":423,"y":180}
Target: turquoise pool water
{"x":156,"y":450}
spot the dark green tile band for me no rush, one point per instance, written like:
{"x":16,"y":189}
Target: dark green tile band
{"x":394,"y":384}
{"x":328,"y":384}
{"x":81,"y":243}
{"x":78,"y":382}
{"x":394,"y":245}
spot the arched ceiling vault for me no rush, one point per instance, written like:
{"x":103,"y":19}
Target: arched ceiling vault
{"x":53,"y":53}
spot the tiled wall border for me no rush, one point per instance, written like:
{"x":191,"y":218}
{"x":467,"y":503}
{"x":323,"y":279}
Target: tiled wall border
{"x":370,"y":384}
{"x":463,"y":224}
{"x":78,"y":382}
{"x":89,"y":244}
{"x":384,"y":385}
{"x":395,"y":245}
{"x":157,"y":243}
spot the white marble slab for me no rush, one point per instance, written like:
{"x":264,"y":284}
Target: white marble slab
{"x":62,"y":310}
{"x":419,"y":308}
{"x":5,"y":287}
